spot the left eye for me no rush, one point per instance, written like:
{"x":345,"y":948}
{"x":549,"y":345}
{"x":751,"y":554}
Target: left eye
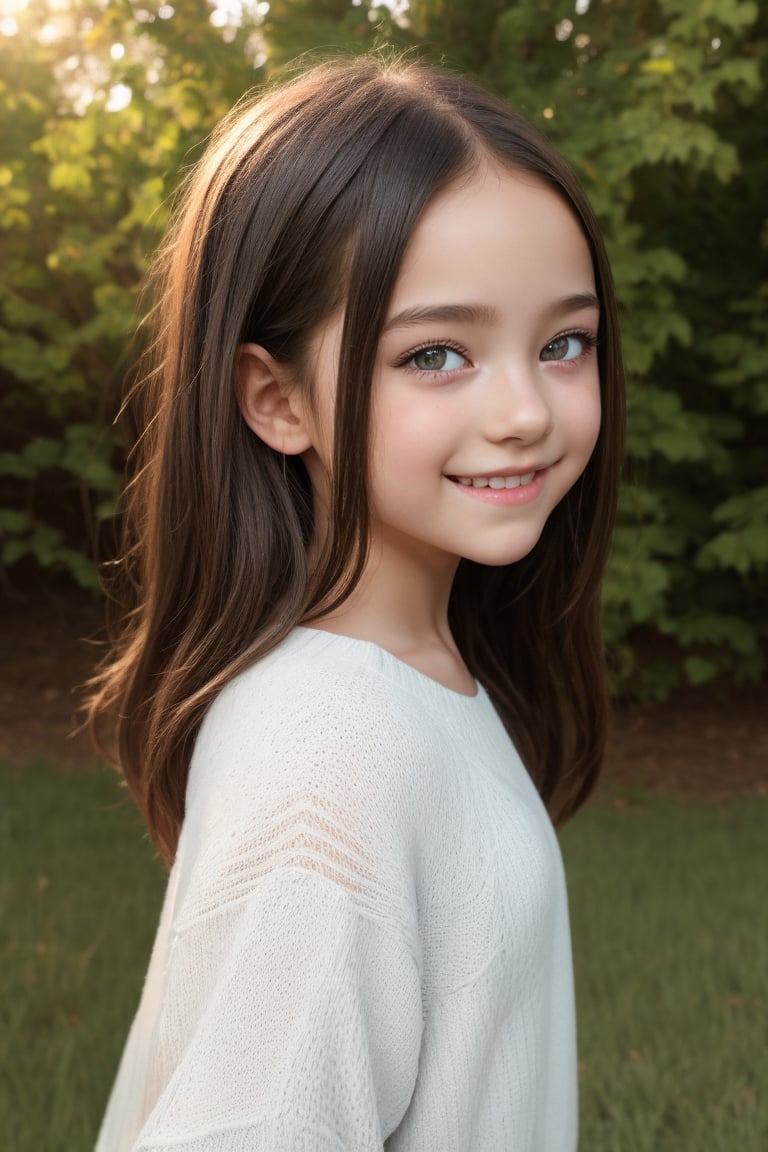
{"x":436,"y":358}
{"x":564,"y":348}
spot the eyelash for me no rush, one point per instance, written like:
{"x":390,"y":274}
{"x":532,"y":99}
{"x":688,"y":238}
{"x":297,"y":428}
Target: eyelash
{"x":450,"y":345}
{"x":589,"y":339}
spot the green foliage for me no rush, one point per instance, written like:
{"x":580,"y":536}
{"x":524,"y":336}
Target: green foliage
{"x":743,"y":544}
{"x":655,"y":104}
{"x":84,"y":195}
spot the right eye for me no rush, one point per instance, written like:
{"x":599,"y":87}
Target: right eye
{"x":436,"y":358}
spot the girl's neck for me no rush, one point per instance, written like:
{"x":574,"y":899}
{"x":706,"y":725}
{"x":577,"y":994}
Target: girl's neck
{"x":401,"y":604}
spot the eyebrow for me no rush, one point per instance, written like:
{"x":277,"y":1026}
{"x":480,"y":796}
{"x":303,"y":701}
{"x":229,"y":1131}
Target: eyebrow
{"x":480,"y":313}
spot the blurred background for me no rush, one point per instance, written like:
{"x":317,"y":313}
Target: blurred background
{"x":660,"y":106}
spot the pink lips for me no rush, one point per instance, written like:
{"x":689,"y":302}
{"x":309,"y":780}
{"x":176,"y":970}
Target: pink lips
{"x":505,"y":497}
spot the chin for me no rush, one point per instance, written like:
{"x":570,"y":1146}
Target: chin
{"x":502,"y":557}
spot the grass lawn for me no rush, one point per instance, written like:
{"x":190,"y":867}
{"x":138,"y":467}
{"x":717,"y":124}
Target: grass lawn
{"x":79,"y":899}
{"x":670,"y":933}
{"x":670,"y":940}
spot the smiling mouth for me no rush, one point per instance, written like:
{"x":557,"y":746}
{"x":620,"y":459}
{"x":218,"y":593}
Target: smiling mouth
{"x":495,"y":481}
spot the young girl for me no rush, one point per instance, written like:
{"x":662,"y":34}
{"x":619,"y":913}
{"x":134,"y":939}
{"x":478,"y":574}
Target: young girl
{"x":360,"y":657}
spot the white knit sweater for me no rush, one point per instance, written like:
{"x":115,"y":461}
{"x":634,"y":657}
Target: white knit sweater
{"x":365,"y":940}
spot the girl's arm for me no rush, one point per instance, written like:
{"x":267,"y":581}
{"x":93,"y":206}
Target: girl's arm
{"x":295,"y":1024}
{"x":290,"y":1010}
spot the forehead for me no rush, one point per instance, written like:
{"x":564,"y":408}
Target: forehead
{"x":496,"y":233}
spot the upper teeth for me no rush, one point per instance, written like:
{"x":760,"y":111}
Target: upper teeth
{"x":496,"y":481}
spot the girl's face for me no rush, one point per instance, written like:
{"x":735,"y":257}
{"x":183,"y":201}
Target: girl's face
{"x":486,"y":399}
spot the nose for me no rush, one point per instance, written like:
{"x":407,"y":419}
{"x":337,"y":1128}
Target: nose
{"x":517,"y":406}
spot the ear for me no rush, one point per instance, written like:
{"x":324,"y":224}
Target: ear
{"x":269,"y":400}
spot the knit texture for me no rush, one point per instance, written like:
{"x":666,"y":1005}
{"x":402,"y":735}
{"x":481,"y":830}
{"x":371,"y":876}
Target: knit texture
{"x":364,"y":942}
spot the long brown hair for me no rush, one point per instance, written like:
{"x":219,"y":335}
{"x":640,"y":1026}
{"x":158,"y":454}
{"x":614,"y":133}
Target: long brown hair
{"x":306,"y":199}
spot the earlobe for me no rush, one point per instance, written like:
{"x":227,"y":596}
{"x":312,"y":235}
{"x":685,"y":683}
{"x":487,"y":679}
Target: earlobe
{"x":269,"y":401}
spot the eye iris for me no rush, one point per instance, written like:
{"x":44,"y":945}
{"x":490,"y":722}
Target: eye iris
{"x":429,"y":359}
{"x":557,"y":349}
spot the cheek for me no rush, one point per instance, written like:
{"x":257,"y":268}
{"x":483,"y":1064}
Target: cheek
{"x":406,"y":438}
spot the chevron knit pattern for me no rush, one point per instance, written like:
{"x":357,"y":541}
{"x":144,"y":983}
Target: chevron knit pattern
{"x":364,"y":943}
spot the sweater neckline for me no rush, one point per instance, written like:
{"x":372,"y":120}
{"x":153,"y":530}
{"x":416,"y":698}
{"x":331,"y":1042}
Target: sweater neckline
{"x":373,"y":655}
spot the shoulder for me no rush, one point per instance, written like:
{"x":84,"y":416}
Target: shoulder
{"x":315,"y":763}
{"x":318,"y":720}
{"x":318,"y":698}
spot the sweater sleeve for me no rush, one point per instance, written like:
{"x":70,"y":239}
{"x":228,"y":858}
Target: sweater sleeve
{"x":291,"y":1015}
{"x":306,"y":1036}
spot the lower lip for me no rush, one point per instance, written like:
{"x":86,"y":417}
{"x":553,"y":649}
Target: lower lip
{"x":506,"y":497}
